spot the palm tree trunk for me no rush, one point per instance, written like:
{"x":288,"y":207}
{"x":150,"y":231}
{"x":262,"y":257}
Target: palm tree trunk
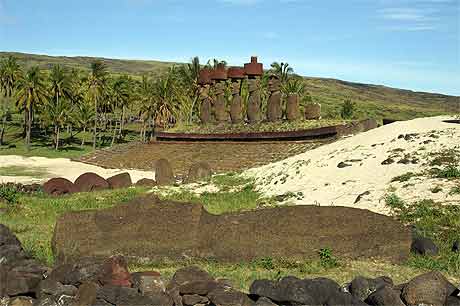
{"x":95,"y":125}
{"x":122,"y":119}
{"x":2,"y":133}
{"x":29,"y":127}
{"x":83,"y":137}
{"x":57,"y":138}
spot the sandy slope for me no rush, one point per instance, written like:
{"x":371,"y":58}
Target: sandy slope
{"x":316,"y":179}
{"x":59,"y":167}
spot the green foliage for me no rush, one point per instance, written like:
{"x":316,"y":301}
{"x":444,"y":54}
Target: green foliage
{"x":294,"y":86}
{"x":8,"y":194}
{"x":393,"y":201}
{"x":449,"y":172}
{"x":404,"y":177}
{"x":327,"y":259}
{"x":347,"y":109}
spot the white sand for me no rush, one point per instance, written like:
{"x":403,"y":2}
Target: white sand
{"x":316,"y":175}
{"x":60,"y":167}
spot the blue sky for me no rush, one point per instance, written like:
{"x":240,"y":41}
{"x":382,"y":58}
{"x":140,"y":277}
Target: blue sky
{"x":411,"y":44}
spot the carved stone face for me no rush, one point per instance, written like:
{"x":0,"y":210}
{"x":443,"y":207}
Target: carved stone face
{"x":235,"y":88}
{"x":273,"y":84}
{"x":219,"y":88}
{"x":204,"y":91}
{"x":253,"y":84}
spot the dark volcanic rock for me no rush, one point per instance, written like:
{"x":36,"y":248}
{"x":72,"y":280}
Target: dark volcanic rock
{"x":229,"y":297}
{"x":114,"y":272}
{"x":428,"y":289}
{"x":343,"y":165}
{"x":148,"y":282}
{"x":90,"y":181}
{"x":385,"y":296}
{"x":424,"y":246}
{"x":456,"y":246}
{"x":59,"y":186}
{"x":388,"y":161}
{"x":362,"y":287}
{"x":122,"y":180}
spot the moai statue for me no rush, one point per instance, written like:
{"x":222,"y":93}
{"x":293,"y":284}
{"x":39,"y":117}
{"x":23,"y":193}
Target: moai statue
{"x":254,"y":70}
{"x":274,"y":110}
{"x":220,"y":106}
{"x":205,"y":100}
{"x":292,"y":107}
{"x":236,"y":107}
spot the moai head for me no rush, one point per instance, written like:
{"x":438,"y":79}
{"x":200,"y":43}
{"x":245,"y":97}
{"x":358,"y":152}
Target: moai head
{"x":253,"y":84}
{"x":274,"y":83}
{"x":236,"y":85}
{"x":236,"y":74}
{"x":219,"y":88}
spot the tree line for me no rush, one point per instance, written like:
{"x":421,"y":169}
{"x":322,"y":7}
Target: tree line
{"x":98,"y":101}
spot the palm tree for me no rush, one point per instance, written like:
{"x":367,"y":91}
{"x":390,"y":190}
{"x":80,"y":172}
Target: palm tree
{"x":121,"y":97}
{"x":82,"y":116}
{"x":165,"y":89}
{"x":294,"y":86}
{"x":282,"y":70}
{"x":10,"y":72}
{"x":190,"y":75}
{"x":97,"y":82}
{"x":214,"y":63}
{"x":147,"y":104}
{"x":31,"y":91}
{"x":61,"y":92}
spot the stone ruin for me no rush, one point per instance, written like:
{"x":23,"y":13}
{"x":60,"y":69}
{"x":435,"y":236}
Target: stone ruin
{"x":213,"y":107}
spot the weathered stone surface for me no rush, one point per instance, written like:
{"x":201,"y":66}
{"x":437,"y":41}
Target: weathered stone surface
{"x":114,"y":272}
{"x":122,"y":180}
{"x":362,"y":287}
{"x":229,"y":297}
{"x":198,"y":172}
{"x":153,"y":229}
{"x":236,"y":106}
{"x":253,"y":110}
{"x":145,"y":182}
{"x":427,"y":289}
{"x":312,"y":111}
{"x":164,"y":174}
{"x":124,"y":296}
{"x":385,"y":296}
{"x":148,"y":282}
{"x":59,"y":186}
{"x":452,"y":301}
{"x":292,"y":107}
{"x":206,"y":111}
{"x":86,"y":294}
{"x":194,"y":299}
{"x":90,"y":181}
{"x":274,"y":111}
{"x":263,"y":301}
{"x":424,"y":246}
{"x":21,"y":301}
{"x":220,"y":106}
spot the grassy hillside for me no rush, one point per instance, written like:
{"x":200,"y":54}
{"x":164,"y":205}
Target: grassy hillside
{"x":372,"y":100}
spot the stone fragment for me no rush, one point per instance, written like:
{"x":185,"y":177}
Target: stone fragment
{"x":292,"y":107}
{"x":122,"y":180}
{"x":424,"y":246}
{"x":145,"y":182}
{"x":90,"y":181}
{"x":59,"y":186}
{"x":114,"y":272}
{"x":199,"y":172}
{"x":164,"y":173}
{"x":427,"y":289}
{"x":312,"y":111}
{"x":148,"y":282}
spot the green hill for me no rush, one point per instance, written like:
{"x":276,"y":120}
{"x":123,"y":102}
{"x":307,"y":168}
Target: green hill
{"x":372,"y":100}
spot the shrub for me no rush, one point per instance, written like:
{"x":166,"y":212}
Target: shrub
{"x":394,"y":201}
{"x":348,"y":109}
{"x":327,"y":259}
{"x":8,"y":194}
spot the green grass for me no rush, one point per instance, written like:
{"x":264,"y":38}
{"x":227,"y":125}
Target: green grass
{"x":436,"y":221}
{"x":258,"y":127}
{"x":32,"y":217}
{"x":36,"y":172}
{"x":404,"y":177}
{"x":235,"y":194}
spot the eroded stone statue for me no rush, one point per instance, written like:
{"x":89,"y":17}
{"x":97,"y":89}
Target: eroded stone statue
{"x":220,"y":107}
{"x":205,"y":105}
{"x":274,"y":109}
{"x":254,"y":100}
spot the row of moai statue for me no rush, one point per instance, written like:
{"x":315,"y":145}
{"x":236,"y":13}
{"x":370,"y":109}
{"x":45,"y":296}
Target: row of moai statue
{"x":215,"y":109}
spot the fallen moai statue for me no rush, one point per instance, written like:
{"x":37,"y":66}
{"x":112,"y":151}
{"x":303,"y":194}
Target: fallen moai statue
{"x":90,"y":181}
{"x":150,"y":228}
{"x":108,"y":281}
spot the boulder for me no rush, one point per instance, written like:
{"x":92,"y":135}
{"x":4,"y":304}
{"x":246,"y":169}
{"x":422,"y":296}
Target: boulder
{"x":10,"y":248}
{"x":90,"y":181}
{"x":194,"y":299}
{"x":424,"y":246}
{"x":452,"y":301}
{"x":59,"y":186}
{"x":148,"y":282}
{"x":158,"y":230}
{"x":229,"y":297}
{"x":263,"y":301}
{"x":21,"y":301}
{"x":313,"y":111}
{"x":115,"y":295}
{"x":163,"y":172}
{"x":198,"y":172}
{"x":86,"y":294}
{"x":145,"y":182}
{"x":362,"y":287}
{"x":122,"y":180}
{"x":385,"y":296}
{"x":428,"y":289}
{"x":114,"y":272}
